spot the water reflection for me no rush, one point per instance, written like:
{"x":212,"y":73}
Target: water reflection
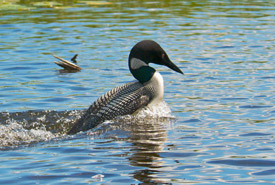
{"x":147,"y":137}
{"x":225,"y":98}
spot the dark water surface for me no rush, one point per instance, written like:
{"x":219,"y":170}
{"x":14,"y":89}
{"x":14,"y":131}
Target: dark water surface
{"x":222,"y":125}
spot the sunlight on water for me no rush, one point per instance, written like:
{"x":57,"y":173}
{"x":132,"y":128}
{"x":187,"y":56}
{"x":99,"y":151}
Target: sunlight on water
{"x":215,"y":126}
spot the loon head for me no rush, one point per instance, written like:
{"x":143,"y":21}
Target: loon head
{"x":145,"y":52}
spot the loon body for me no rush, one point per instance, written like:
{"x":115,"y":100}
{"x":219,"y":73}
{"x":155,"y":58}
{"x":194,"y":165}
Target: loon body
{"x":130,"y":97}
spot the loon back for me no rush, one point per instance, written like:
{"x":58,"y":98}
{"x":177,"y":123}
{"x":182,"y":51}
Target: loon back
{"x":122,"y":100}
{"x":130,"y":97}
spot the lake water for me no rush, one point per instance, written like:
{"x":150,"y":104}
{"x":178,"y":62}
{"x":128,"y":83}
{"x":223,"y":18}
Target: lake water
{"x":221,"y":128}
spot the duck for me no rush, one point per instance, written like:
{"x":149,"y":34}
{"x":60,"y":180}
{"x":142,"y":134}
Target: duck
{"x":147,"y":90}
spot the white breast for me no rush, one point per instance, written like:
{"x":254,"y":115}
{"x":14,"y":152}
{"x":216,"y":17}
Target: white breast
{"x":155,"y":84}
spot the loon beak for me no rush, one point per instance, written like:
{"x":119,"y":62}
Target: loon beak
{"x":167,"y":62}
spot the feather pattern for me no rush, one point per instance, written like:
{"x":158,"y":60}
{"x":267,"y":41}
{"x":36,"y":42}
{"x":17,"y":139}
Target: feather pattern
{"x":122,"y":100}
{"x":130,"y":97}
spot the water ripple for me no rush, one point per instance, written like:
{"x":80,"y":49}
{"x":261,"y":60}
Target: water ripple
{"x":245,"y":162}
{"x":220,"y":128}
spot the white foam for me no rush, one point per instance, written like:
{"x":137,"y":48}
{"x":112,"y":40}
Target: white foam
{"x":151,"y":121}
{"x":14,"y":134}
{"x":160,"y":110}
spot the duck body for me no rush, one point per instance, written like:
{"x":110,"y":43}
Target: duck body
{"x":130,"y":97}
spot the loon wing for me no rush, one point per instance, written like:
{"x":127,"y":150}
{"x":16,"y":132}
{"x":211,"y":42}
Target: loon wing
{"x":113,"y":94}
{"x":122,"y":100}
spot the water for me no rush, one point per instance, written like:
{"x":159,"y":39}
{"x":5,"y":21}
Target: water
{"x":220,"y":130}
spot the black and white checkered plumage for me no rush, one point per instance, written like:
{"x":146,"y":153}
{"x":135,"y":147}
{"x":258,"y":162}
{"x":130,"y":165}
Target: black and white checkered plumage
{"x":130,"y":97}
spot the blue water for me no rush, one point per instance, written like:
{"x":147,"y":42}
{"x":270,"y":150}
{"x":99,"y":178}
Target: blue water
{"x":221,"y":128}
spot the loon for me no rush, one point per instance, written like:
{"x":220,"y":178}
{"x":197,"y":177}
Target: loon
{"x":132,"y":96}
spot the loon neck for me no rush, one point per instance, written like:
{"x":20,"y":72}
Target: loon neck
{"x":156,"y":86}
{"x":143,"y":74}
{"x":140,"y":70}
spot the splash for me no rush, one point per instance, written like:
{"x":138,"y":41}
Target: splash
{"x":150,"y":120}
{"x":160,"y":110}
{"x":14,"y":134}
{"x":24,"y":128}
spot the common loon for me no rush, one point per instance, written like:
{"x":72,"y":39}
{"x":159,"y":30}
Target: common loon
{"x":130,"y":97}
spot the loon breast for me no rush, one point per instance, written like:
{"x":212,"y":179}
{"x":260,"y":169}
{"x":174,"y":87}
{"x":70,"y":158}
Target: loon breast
{"x":156,"y":88}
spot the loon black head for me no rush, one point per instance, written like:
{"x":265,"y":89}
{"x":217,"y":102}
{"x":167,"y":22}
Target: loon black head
{"x":145,"y":52}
